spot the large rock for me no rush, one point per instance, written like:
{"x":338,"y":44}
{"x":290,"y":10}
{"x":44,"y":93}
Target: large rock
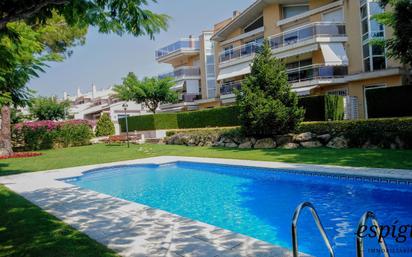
{"x":265,"y":143}
{"x":338,"y":143}
{"x":284,"y":139}
{"x":308,"y":136}
{"x":246,"y":145}
{"x":324,"y":138}
{"x":231,"y":145}
{"x":311,"y":144}
{"x":290,"y":146}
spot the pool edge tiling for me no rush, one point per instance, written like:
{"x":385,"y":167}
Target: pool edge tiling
{"x":133,"y":229}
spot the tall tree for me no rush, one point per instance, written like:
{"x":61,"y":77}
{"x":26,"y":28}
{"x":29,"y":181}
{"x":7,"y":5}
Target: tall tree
{"x":398,"y":16}
{"x":36,"y":45}
{"x":267,"y":105}
{"x":150,"y":91}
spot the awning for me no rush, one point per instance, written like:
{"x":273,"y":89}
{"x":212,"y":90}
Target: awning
{"x":234,"y":71}
{"x":302,"y":91}
{"x":179,"y":86}
{"x":297,"y":51}
{"x":334,"y":54}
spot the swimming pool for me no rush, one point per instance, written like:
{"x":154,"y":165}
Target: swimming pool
{"x":260,"y":202}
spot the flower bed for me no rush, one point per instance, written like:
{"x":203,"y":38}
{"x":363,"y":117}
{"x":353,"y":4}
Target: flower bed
{"x":38,"y":135}
{"x":20,"y":155}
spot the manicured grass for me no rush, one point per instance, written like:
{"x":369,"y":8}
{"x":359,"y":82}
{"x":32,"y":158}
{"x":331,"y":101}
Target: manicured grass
{"x":80,"y":156}
{"x":26,"y":230}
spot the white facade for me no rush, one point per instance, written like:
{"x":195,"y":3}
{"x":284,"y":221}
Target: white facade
{"x":91,"y":105}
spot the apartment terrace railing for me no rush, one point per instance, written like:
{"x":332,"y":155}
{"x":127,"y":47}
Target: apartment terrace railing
{"x":289,"y":37}
{"x":306,"y":73}
{"x":316,"y":71}
{"x":229,"y":87}
{"x":307,"y":32}
{"x":183,"y":44}
{"x":182,"y":73}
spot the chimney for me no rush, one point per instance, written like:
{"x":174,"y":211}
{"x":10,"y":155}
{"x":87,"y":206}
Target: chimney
{"x":65,"y":96}
{"x":235,"y":13}
{"x":79,"y":93}
{"x":94,"y":91}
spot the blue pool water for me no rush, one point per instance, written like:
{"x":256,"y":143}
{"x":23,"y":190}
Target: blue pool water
{"x":260,"y":202}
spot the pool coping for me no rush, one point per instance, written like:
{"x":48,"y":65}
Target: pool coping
{"x":133,"y":229}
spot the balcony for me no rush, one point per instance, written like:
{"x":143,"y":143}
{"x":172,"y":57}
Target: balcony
{"x":316,"y":72}
{"x":182,"y":73}
{"x":307,"y":32}
{"x":188,"y":46}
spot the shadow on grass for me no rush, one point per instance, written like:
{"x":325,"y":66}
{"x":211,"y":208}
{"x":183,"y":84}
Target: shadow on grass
{"x":380,"y":158}
{"x":5,"y":172}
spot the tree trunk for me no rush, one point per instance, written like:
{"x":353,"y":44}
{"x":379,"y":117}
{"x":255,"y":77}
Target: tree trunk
{"x":5,"y":134}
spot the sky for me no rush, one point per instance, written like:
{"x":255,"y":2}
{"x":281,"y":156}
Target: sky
{"x":105,"y":59}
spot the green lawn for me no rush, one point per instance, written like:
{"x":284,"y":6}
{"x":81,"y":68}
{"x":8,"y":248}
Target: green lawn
{"x":26,"y":230}
{"x":79,"y":156}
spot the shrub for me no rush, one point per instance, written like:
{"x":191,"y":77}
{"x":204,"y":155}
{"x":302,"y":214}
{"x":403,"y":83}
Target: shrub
{"x":105,"y":126}
{"x":150,"y":122}
{"x":217,"y":117}
{"x":334,"y":107}
{"x":380,"y":132}
{"x":48,"y":108}
{"x":389,"y":102}
{"x":266,"y":103}
{"x":49,"y":134}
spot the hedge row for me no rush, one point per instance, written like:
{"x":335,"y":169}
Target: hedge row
{"x":218,"y":117}
{"x":378,"y":132}
{"x":389,"y":102}
{"x":318,"y":108}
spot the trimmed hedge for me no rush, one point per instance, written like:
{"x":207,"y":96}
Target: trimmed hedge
{"x":389,"y":102}
{"x":379,"y":132}
{"x":225,"y":116}
{"x":217,"y":117}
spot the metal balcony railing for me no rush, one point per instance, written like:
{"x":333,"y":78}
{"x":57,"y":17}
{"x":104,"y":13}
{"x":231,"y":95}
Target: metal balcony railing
{"x":316,"y":71}
{"x":307,"y":32}
{"x":182,"y":73}
{"x":228,"y":88}
{"x":289,"y":37}
{"x":182,"y":44}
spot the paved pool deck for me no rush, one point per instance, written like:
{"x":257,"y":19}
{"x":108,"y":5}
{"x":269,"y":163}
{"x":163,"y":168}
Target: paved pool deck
{"x":136,"y":230}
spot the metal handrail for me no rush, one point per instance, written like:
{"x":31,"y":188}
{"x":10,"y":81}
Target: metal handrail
{"x":359,"y":240}
{"x":318,"y":223}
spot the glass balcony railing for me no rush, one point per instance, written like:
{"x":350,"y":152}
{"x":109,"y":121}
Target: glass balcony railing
{"x":182,"y":73}
{"x":301,"y":74}
{"x":183,"y":44}
{"x":229,"y":87}
{"x":293,"y":36}
{"x":239,"y":52}
{"x":317,"y":71}
{"x":307,"y":32}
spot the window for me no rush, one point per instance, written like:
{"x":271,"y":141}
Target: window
{"x":254,"y":25}
{"x":338,"y":92}
{"x":373,"y":55}
{"x":290,"y":11}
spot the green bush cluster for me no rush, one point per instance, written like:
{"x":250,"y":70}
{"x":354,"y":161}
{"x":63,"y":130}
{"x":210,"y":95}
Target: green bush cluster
{"x":105,"y":126}
{"x":334,"y":107}
{"x":389,"y":102}
{"x":379,"y":132}
{"x":218,"y":117}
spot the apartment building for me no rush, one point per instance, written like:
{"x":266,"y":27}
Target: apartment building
{"x":91,"y":105}
{"x":193,"y":64}
{"x":325,"y":44}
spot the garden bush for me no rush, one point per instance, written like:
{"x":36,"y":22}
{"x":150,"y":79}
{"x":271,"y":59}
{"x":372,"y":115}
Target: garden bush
{"x":334,"y":107}
{"x":378,"y":132}
{"x":217,"y":117}
{"x":150,"y":122}
{"x":50,"y":134}
{"x":105,"y":126}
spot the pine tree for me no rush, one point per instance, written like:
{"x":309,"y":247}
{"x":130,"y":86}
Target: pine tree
{"x":267,"y":105}
{"x":105,"y":126}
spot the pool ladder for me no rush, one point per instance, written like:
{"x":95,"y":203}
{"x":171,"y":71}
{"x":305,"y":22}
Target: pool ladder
{"x":359,"y":240}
